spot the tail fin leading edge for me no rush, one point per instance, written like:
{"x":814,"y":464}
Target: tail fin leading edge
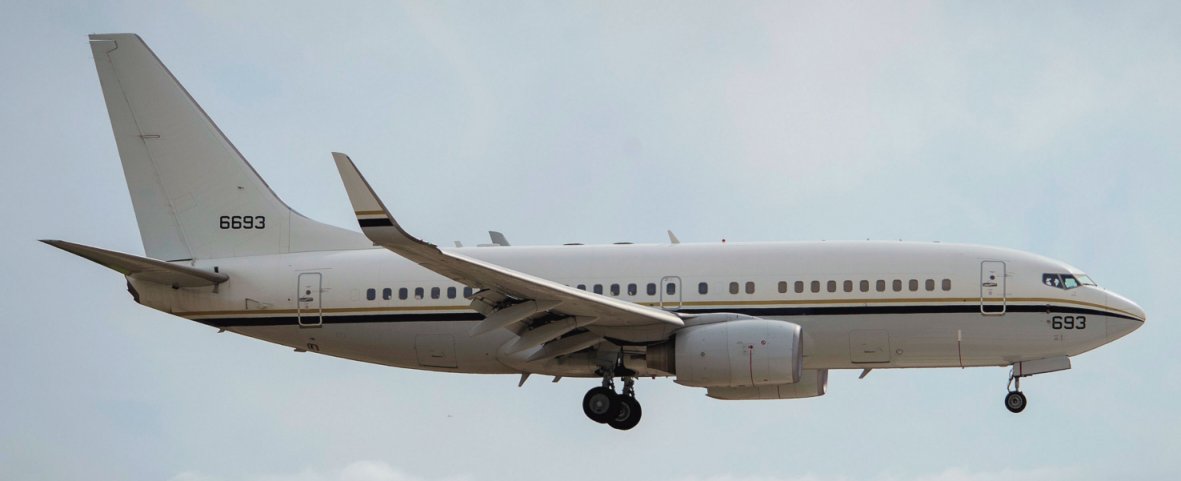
{"x":195,"y":196}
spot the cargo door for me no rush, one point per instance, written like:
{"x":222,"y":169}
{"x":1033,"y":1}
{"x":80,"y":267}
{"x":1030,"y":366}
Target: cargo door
{"x":435,"y":350}
{"x":869,"y":346}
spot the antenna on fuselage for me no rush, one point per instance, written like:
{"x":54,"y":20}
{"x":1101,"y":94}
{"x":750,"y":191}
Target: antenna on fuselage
{"x":673,"y":238}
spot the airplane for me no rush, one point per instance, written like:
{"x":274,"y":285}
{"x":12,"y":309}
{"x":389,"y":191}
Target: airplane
{"x":744,"y":321}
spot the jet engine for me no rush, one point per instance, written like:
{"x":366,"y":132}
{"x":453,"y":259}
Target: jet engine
{"x":745,"y":351}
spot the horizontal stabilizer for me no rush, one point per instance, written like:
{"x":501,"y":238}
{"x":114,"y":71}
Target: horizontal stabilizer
{"x":142,"y":268}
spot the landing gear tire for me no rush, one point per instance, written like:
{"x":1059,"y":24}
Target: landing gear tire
{"x":628,"y":415}
{"x":601,"y":404}
{"x":1015,"y":401}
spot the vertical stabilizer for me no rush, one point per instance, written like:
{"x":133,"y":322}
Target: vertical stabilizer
{"x":195,"y":196}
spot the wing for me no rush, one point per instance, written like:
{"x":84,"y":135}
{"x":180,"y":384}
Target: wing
{"x":526,"y":295}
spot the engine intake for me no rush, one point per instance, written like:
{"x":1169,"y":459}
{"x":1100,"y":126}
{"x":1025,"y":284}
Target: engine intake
{"x":735,"y":353}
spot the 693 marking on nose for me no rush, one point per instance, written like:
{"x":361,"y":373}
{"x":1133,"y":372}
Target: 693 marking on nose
{"x":1068,"y":322}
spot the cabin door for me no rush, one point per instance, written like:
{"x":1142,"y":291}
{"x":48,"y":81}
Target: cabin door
{"x":309,"y":309}
{"x":992,"y":288}
{"x":670,"y":293}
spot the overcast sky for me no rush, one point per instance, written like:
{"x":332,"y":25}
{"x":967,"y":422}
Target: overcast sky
{"x":1052,"y":127}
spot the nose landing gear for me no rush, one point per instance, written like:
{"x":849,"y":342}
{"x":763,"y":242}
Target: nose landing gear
{"x":603,"y":405}
{"x":1015,"y":400}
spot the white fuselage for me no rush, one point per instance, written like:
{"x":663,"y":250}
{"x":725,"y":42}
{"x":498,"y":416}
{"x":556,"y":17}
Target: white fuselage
{"x":860,"y":304}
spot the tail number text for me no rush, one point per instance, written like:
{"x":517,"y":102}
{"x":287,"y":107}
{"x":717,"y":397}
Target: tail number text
{"x":242,"y":222}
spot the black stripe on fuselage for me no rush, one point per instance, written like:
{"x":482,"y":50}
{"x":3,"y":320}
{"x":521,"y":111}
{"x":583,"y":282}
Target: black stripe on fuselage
{"x":756,"y":312}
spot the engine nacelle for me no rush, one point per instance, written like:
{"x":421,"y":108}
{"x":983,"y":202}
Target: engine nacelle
{"x":735,"y":353}
{"x":812,"y":384}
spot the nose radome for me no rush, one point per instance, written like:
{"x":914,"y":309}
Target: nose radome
{"x":1118,"y":327}
{"x":1121,"y":303}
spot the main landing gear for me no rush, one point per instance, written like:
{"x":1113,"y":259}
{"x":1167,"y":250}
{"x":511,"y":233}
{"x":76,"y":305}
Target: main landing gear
{"x":1015,"y":401}
{"x":618,"y":410}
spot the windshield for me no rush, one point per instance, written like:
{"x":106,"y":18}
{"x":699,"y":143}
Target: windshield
{"x":1066,"y":281}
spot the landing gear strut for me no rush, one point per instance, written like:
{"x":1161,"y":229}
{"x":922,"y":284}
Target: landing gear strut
{"x":1015,"y":401}
{"x":602,"y":405}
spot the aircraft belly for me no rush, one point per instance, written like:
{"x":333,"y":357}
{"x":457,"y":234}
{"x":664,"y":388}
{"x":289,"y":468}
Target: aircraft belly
{"x":434,"y":346}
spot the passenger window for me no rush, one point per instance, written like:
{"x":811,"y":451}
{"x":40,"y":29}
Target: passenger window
{"x":670,"y":288}
{"x":799,"y":287}
{"x":598,"y":288}
{"x":451,"y":293}
{"x":914,"y":284}
{"x":434,"y":293}
{"x":734,"y":288}
{"x":371,"y":294}
{"x":815,"y":286}
{"x":467,"y":293}
{"x":832,"y":286}
{"x":615,"y":289}
{"x":930,"y":284}
{"x":848,"y":286}
{"x":750,"y":287}
{"x":419,"y":293}
{"x":632,"y":289}
{"x":703,"y":288}
{"x":897,"y":285}
{"x":651,"y":290}
{"x":947,"y":284}
{"x":582,"y":287}
{"x":386,"y":294}
{"x":880,"y":286}
{"x":783,"y":287}
{"x":864,"y":286}
{"x":403,"y":293}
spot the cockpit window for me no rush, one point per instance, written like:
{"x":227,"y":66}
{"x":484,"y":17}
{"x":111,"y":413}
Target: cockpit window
{"x":1066,"y":281}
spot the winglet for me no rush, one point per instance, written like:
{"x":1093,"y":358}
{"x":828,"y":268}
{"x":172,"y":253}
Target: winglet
{"x":369,"y":209}
{"x":375,"y":220}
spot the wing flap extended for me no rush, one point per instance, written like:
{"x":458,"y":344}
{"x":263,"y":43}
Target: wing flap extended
{"x":143,"y":268}
{"x":380,"y":226}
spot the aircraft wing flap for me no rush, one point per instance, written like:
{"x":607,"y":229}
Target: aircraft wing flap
{"x":379,"y":225}
{"x":143,"y":268}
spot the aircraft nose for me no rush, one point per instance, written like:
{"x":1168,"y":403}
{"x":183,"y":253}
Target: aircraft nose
{"x":1118,"y":327}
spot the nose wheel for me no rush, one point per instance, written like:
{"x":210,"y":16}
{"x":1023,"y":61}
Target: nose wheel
{"x":1015,"y":401}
